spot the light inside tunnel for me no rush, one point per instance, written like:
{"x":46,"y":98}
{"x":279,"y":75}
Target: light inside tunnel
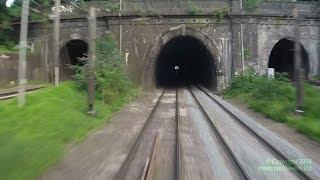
{"x":282,"y":58}
{"x":184,"y":60}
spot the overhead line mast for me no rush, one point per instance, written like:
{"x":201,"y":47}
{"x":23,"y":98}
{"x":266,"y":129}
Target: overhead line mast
{"x":56,"y":42}
{"x":23,"y":53}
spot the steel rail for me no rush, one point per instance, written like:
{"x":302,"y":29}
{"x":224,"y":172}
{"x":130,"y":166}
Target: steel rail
{"x":177,"y":138}
{"x":149,"y":166}
{"x":135,"y":146}
{"x":9,"y":95}
{"x":298,"y":171}
{"x":220,"y":137}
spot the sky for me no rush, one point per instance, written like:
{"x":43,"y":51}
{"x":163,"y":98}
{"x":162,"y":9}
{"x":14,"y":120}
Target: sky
{"x":9,"y":2}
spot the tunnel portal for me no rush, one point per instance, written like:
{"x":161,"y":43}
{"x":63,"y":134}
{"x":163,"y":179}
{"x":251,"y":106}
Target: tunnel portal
{"x":76,"y":49}
{"x":184,"y":60}
{"x":70,"y":55}
{"x":282,"y":58}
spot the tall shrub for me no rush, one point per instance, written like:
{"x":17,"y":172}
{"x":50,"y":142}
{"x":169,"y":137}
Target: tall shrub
{"x":111,"y":80}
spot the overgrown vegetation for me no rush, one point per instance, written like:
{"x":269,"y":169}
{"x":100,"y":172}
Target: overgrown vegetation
{"x":111,"y":80}
{"x":221,"y":13}
{"x":137,"y":9}
{"x":251,"y":4}
{"x":8,"y":47}
{"x":33,"y":138}
{"x":247,"y":53}
{"x":316,"y":77}
{"x":39,"y":11}
{"x":10,"y":18}
{"x":193,"y":9}
{"x":7,"y":42}
{"x":275,"y":98}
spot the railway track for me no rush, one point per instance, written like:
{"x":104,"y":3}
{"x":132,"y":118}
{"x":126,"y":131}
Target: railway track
{"x":315,"y":83}
{"x":192,"y":134}
{"x":12,"y":94}
{"x":277,"y":159}
{"x":158,"y":136}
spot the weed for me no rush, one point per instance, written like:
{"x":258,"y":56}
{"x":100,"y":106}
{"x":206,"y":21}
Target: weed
{"x":194,"y":10}
{"x":111,"y":80}
{"x":275,"y":98}
{"x":247,"y":53}
{"x":220,"y":13}
{"x":250,"y":4}
{"x":33,"y":138}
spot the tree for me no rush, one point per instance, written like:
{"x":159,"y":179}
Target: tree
{"x":10,"y":17}
{"x":6,"y":16}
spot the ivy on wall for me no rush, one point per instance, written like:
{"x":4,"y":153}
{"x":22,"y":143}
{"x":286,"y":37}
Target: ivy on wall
{"x":247,"y":53}
{"x":193,"y":9}
{"x":220,"y":13}
{"x":251,"y":4}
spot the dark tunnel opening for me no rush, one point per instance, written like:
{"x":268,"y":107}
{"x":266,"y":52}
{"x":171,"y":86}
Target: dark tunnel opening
{"x":70,"y":55}
{"x":77,"y":49}
{"x":282,"y":58}
{"x":185,"y":60}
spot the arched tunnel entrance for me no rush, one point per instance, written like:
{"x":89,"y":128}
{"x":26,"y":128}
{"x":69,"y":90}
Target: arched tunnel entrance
{"x":70,"y":54}
{"x":185,"y":60}
{"x":282,"y":58}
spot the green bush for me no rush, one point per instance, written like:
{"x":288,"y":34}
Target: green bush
{"x":316,"y":77}
{"x":282,"y":77}
{"x":35,"y":137}
{"x":250,"y":4}
{"x":220,"y":13}
{"x":111,"y":80}
{"x":275,"y":98}
{"x":247,"y":53}
{"x":7,"y":49}
{"x":194,"y":10}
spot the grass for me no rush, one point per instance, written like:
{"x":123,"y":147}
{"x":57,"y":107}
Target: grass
{"x":33,"y":138}
{"x":317,"y":77}
{"x":5,"y":49}
{"x":275,"y":98}
{"x":251,"y":4}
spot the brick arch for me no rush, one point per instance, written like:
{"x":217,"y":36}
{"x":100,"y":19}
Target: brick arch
{"x":280,"y":44}
{"x":150,"y":58}
{"x":65,"y":59}
{"x":276,"y":39}
{"x":274,"y":35}
{"x":64,"y":42}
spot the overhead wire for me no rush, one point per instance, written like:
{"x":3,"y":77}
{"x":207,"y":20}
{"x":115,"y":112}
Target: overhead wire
{"x":148,"y":13}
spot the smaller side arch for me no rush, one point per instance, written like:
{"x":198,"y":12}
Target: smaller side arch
{"x":282,"y":57}
{"x":70,"y":53}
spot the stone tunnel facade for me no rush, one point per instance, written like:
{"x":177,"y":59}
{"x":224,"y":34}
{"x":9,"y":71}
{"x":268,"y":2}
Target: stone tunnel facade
{"x":144,"y":36}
